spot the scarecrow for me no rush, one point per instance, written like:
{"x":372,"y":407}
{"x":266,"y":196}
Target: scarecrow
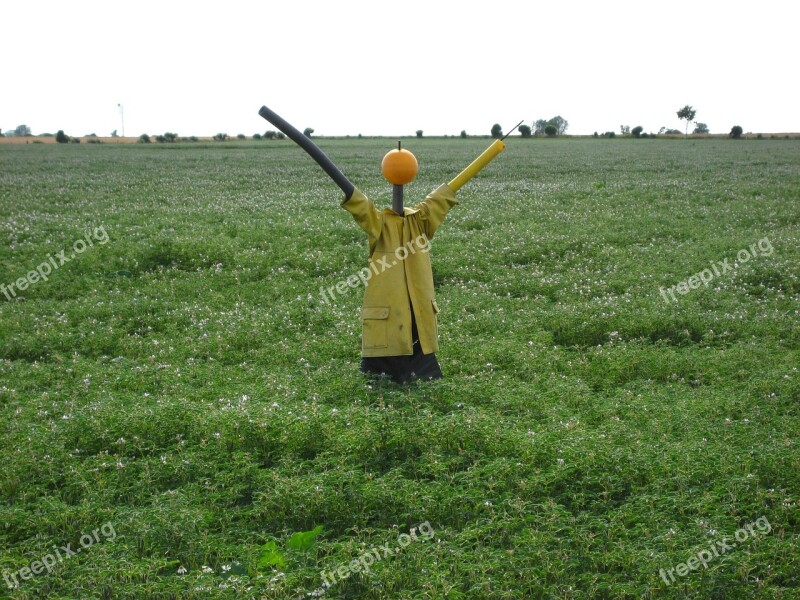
{"x":399,"y":313}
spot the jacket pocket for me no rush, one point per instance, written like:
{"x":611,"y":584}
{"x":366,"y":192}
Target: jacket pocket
{"x":375,"y":325}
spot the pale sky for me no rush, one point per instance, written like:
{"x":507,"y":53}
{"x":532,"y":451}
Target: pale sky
{"x":390,"y":68}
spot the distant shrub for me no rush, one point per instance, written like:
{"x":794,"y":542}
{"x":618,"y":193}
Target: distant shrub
{"x":93,"y":140}
{"x":419,"y":133}
{"x":281,"y":135}
{"x":270,"y":135}
{"x":241,"y":136}
{"x":610,"y":134}
{"x":759,"y":137}
{"x":463,"y":133}
{"x":525,"y":131}
{"x":736,"y":132}
{"x":61,"y":137}
{"x":170,"y":137}
{"x":637,"y":131}
{"x":74,"y":140}
{"x":673,"y":131}
{"x":144,"y":139}
{"x":497,"y":131}
{"x":220,"y":137}
{"x":700,"y":128}
{"x":550,"y":131}
{"x":256,"y":136}
{"x":595,"y":134}
{"x":642,"y":135}
{"x":161,"y":139}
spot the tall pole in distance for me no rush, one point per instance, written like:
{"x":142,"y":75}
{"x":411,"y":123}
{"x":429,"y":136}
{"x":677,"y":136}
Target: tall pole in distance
{"x":122,"y":118}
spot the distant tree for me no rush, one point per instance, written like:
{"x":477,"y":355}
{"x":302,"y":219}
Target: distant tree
{"x":525,"y":130}
{"x":220,"y":137}
{"x":551,"y":130}
{"x":595,"y":134}
{"x":161,"y":139}
{"x":700,"y":128}
{"x":637,"y":131}
{"x":539,"y":126}
{"x":688,"y":113}
{"x":308,"y":131}
{"x":419,"y":133}
{"x":736,"y":132}
{"x":170,"y":137}
{"x":662,"y":130}
{"x":610,"y":134}
{"x":22,"y":131}
{"x":143,"y":139}
{"x":463,"y":133}
{"x":673,"y":132}
{"x":269,"y":134}
{"x":560,"y":123}
{"x":625,"y":129}
{"x":61,"y":137}
{"x":256,"y":136}
{"x":74,"y":140}
{"x":114,"y":134}
{"x":281,"y":135}
{"x":241,"y":136}
{"x":497,"y":131}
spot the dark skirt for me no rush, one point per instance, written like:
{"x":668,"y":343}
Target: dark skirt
{"x":405,"y":369}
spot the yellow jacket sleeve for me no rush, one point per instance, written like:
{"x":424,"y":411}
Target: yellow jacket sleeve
{"x":435,"y":207}
{"x":369,"y":218}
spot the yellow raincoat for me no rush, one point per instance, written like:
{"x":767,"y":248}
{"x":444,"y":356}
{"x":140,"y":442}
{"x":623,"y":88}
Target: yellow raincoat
{"x":401,"y":277}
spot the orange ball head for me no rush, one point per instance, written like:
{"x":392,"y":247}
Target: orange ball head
{"x":399,"y":167}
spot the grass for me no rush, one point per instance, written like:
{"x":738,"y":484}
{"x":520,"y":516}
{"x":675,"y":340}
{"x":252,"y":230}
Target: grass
{"x":184,"y":383}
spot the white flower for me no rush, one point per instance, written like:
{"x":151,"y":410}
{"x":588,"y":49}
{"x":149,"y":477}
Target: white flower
{"x":206,"y":569}
{"x":181,"y":570}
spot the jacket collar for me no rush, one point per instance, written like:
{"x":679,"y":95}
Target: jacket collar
{"x":406,"y":211}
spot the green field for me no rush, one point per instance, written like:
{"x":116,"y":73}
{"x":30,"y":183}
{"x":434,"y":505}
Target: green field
{"x":181,"y":384}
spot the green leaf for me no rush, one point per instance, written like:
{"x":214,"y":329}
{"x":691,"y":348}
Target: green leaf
{"x":270,"y":556}
{"x":303,"y":540}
